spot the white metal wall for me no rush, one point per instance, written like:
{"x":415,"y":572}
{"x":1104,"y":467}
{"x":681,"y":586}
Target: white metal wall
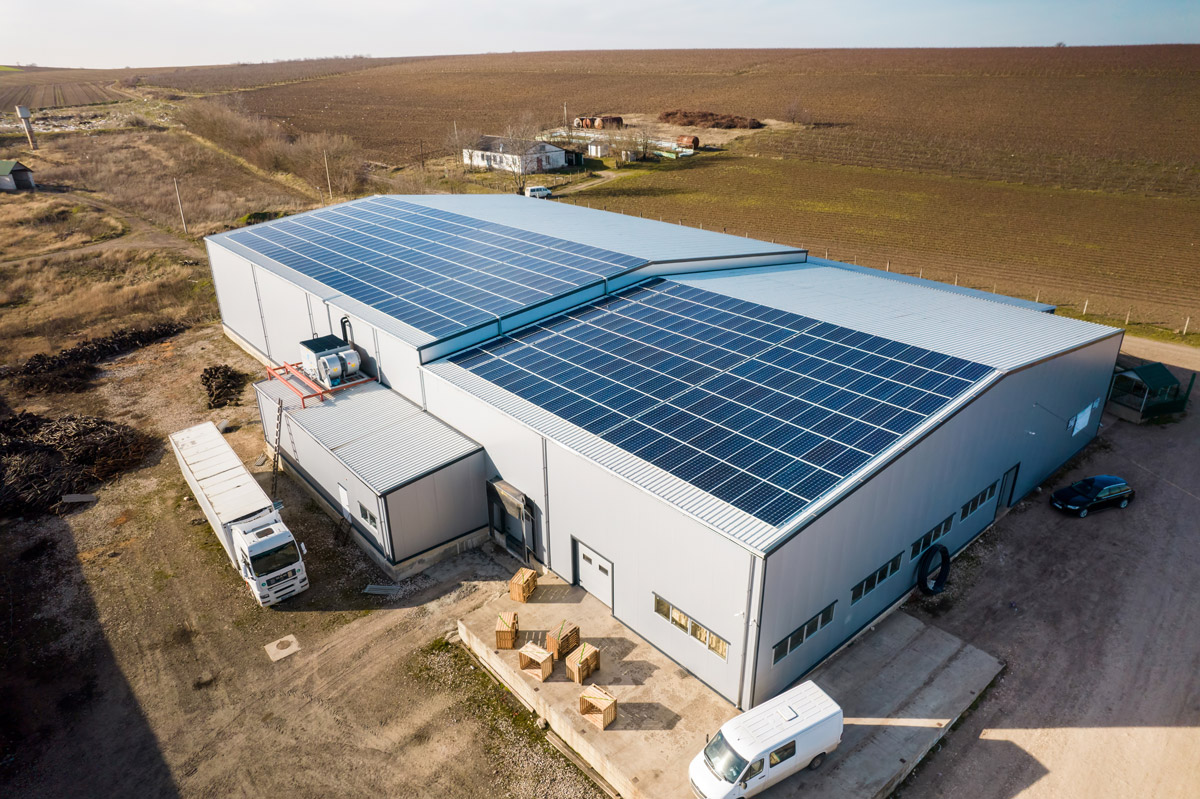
{"x":438,"y":507}
{"x":1021,"y":419}
{"x":237,"y":296}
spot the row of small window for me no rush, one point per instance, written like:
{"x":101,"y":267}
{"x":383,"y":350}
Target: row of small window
{"x":715,"y":643}
{"x":978,"y":501}
{"x":929,"y":539}
{"x":802,"y":634}
{"x":875,"y":579}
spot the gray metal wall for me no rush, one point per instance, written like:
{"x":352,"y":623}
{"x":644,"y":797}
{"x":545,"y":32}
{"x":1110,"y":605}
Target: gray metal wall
{"x":325,"y":472}
{"x":438,"y":507}
{"x":926,"y":484}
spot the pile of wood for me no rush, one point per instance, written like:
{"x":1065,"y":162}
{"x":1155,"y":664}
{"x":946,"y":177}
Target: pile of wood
{"x":224,"y":385}
{"x":562,"y":638}
{"x":598,"y":706}
{"x":507,"y":628}
{"x":73,"y":368}
{"x":582,"y":662}
{"x":44,"y":459}
{"x":708,"y":119}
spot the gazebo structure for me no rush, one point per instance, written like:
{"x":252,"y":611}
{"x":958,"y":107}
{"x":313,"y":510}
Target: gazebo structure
{"x":1142,"y":391}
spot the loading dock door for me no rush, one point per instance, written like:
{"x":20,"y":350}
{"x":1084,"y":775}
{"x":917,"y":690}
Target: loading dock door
{"x":595,"y":573}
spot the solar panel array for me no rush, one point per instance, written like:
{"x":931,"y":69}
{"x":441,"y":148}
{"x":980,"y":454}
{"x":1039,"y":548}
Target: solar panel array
{"x":438,"y":271}
{"x":764,"y":409}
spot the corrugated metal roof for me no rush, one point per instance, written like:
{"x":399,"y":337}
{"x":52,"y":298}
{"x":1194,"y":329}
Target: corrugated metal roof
{"x":222,"y":476}
{"x":643,"y":238}
{"x":914,"y":280}
{"x":996,"y":334}
{"x":380,"y":436}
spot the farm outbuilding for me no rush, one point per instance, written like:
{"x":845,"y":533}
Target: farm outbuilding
{"x":524,"y":156}
{"x":15,"y":176}
{"x":746,"y":452}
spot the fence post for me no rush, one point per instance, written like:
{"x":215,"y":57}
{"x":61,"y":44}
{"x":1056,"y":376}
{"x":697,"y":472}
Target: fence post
{"x":1186,"y":322}
{"x":1085,"y":305}
{"x":1127,"y":315}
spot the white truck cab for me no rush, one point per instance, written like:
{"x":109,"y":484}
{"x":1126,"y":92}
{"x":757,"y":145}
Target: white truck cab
{"x":245,"y":520}
{"x":797,"y":729}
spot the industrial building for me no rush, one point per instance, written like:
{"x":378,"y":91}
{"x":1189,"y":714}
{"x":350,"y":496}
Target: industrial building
{"x":742,"y":450}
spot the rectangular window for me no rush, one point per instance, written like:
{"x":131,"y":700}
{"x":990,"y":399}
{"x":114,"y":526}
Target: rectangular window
{"x":695,"y":629}
{"x":929,"y":539}
{"x":368,"y":517}
{"x":875,"y":580}
{"x":978,"y":501}
{"x":785,"y":752}
{"x":679,"y":619}
{"x":802,"y":634}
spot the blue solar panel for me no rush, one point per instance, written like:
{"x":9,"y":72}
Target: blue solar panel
{"x":437,"y":271}
{"x":764,"y":409}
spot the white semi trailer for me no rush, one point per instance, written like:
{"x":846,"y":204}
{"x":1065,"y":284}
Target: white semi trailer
{"x":247,"y":522}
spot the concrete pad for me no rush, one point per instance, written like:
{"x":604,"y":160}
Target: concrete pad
{"x":901,"y":687}
{"x":663,"y":712}
{"x":278,"y":650}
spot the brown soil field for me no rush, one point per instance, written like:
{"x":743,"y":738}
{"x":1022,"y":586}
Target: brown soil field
{"x":1066,"y":247}
{"x":1096,"y":117}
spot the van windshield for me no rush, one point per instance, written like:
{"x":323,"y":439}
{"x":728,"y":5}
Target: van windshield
{"x":724,"y":762}
{"x":273,"y":560}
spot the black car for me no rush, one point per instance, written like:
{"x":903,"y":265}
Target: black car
{"x":1094,"y":493}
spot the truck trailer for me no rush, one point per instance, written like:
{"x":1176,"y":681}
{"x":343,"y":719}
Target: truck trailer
{"x":246,"y":521}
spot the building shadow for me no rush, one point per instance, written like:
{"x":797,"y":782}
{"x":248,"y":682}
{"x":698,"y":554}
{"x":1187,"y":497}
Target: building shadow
{"x":70,"y":723}
{"x":644,"y":716}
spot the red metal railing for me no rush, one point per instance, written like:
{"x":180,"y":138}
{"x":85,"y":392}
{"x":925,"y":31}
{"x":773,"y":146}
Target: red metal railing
{"x":292,"y":370}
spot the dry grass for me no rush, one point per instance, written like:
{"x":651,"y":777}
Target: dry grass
{"x":37,"y":223}
{"x":56,"y":301}
{"x":134,"y":170}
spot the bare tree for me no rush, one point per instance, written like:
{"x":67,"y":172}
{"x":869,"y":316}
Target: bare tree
{"x":797,"y":113}
{"x":520,"y":137}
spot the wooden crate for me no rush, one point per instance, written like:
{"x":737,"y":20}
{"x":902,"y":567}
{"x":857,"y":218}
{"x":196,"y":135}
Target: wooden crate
{"x":506,"y":630}
{"x":598,"y":706}
{"x":521,"y":586}
{"x":535,"y":661}
{"x":582,"y":662}
{"x":562,"y":638}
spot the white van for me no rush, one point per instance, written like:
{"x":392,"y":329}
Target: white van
{"x":769,"y":743}
{"x":537,"y":192}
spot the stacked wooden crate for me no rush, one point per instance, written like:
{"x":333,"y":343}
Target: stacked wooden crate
{"x":582,"y":662}
{"x":507,"y":628}
{"x":562,"y":638}
{"x":521,"y":586}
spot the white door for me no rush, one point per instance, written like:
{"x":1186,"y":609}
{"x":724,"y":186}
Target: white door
{"x":344,"y":496}
{"x":595,"y":573}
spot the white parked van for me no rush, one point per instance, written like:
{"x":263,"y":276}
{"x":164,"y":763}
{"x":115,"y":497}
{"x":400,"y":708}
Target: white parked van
{"x":769,"y":743}
{"x":538,"y":192}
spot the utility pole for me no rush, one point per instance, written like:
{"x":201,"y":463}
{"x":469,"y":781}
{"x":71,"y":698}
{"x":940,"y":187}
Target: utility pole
{"x":179,"y":200}
{"x":328,"y":181}
{"x":565,"y":125}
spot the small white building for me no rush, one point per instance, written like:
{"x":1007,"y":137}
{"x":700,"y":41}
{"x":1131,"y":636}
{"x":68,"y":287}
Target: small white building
{"x":522,"y":156}
{"x":598,"y":149}
{"x":15,"y":176}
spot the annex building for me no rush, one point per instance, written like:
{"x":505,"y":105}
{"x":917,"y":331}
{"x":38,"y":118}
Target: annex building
{"x":743,"y":450}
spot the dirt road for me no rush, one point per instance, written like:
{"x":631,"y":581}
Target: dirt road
{"x":1098,"y":621}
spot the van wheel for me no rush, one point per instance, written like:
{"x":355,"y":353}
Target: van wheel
{"x":816,"y":762}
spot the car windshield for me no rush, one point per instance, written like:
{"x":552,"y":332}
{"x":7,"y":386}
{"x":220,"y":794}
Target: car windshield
{"x":273,"y":560}
{"x":1087,"y":488}
{"x":720,"y":757}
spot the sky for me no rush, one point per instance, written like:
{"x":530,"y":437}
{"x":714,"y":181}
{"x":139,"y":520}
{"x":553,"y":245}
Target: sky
{"x":145,"y":33}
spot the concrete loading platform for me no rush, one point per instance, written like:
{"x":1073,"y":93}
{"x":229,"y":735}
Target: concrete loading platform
{"x":901,"y":686}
